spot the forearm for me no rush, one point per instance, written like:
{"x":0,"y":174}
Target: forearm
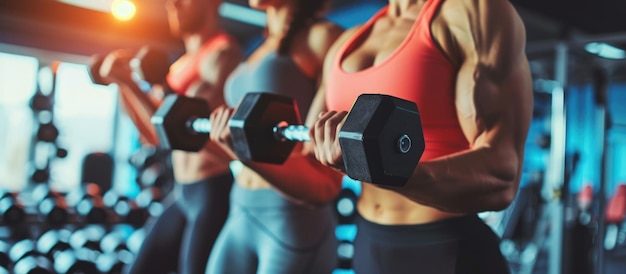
{"x":471,"y":181}
{"x":301,"y":178}
{"x":140,"y":107}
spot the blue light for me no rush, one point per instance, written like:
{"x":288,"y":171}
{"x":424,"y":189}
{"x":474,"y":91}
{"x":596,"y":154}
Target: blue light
{"x":351,"y":184}
{"x":346,"y":232}
{"x":345,"y":207}
{"x":343,"y":271}
{"x":345,"y":250}
{"x":351,"y":15}
{"x":242,"y":14}
{"x":605,"y":50}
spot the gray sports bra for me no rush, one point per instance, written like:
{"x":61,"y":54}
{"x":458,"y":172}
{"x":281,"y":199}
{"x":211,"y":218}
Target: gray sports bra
{"x":274,"y":74}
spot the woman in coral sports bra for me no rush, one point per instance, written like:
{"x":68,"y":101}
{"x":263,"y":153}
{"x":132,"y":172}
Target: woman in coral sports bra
{"x":463,"y":63}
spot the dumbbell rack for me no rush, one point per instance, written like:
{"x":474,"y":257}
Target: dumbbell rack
{"x":33,"y":226}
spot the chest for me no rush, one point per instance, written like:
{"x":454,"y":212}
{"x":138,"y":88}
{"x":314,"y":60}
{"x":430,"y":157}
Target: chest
{"x":399,"y":58}
{"x":183,"y":73}
{"x":377,"y":43}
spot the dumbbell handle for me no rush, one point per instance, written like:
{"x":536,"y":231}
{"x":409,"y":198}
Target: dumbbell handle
{"x":199,"y":125}
{"x":298,"y":133}
{"x":282,"y":131}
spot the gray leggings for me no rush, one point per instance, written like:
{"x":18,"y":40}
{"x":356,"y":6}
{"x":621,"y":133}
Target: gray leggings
{"x":181,"y":238}
{"x":267,"y":234}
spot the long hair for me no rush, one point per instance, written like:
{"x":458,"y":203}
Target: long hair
{"x":306,"y":13}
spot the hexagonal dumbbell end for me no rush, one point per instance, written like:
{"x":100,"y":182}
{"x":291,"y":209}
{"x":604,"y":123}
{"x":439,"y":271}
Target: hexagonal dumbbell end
{"x":252,"y":125}
{"x":172,"y":122}
{"x":47,"y":133}
{"x":94,"y":70}
{"x":151,"y":65}
{"x":382,"y":140}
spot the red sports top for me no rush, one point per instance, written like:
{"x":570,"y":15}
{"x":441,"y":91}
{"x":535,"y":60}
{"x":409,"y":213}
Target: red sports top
{"x":416,"y":71}
{"x":184,"y":71}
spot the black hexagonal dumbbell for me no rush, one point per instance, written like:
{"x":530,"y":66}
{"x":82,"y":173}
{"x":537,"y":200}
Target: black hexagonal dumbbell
{"x":88,"y":204}
{"x":150,"y":199}
{"x":181,"y":123}
{"x":86,"y":243}
{"x":157,"y":175}
{"x":55,"y":245}
{"x":87,"y":237}
{"x":115,"y":252}
{"x":11,"y":209}
{"x":149,"y":64}
{"x":47,"y":132}
{"x":40,"y":175}
{"x":53,"y":241}
{"x":146,"y":155}
{"x":125,"y":208}
{"x":381,"y":139}
{"x":5,"y":260}
{"x":114,"y":263}
{"x":51,"y":205}
{"x":26,"y":258}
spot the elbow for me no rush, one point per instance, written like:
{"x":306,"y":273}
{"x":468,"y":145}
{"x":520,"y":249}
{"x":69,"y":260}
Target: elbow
{"x":504,"y":177}
{"x":506,"y":186}
{"x":503,"y":198}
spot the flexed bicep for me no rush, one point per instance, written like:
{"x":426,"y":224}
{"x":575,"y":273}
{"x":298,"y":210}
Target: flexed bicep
{"x":493,"y":88}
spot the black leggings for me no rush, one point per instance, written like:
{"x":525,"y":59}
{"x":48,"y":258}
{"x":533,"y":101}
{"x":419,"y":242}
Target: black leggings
{"x":183,"y":236}
{"x":463,"y":245}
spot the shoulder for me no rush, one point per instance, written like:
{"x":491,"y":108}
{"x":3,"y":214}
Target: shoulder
{"x":481,"y":17}
{"x":315,"y":41}
{"x":336,"y":46}
{"x":478,"y":25}
{"x":227,"y":49}
{"x":339,"y":38}
{"x":218,"y":60}
{"x":325,"y":29}
{"x":481,"y":7}
{"x":347,"y":34}
{"x":342,"y":39}
{"x":321,"y":35}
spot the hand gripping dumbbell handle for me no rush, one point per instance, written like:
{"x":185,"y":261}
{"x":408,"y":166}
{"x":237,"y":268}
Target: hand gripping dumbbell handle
{"x":282,"y":131}
{"x":299,"y":133}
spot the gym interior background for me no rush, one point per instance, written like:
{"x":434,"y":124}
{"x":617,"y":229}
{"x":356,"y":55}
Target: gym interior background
{"x":56,"y":126}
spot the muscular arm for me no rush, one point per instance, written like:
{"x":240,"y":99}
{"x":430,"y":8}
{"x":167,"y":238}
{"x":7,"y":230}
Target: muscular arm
{"x":494,"y":104}
{"x":138,"y":105}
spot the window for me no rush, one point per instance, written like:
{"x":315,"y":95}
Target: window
{"x":17,"y":85}
{"x":86,"y":116}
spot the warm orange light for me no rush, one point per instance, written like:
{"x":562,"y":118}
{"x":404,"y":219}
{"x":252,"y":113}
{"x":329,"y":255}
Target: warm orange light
{"x":123,"y":9}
